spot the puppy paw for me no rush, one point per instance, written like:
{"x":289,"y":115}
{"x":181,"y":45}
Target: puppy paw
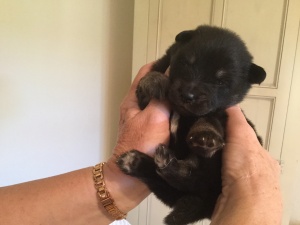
{"x":205,"y":143}
{"x":152,"y":86}
{"x":163,"y":157}
{"x":131,"y":162}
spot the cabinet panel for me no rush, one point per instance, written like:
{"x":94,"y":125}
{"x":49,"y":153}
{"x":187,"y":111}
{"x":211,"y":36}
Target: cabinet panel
{"x":173,"y":16}
{"x":261,"y":115}
{"x":261,"y":25}
{"x":270,"y":30}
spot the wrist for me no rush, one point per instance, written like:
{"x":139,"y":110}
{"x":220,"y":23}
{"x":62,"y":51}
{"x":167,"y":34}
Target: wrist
{"x":126,"y":191}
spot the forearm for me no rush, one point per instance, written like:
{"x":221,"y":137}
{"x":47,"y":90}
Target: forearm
{"x":65,"y":199}
{"x":250,"y":202}
{"x":68,"y":199}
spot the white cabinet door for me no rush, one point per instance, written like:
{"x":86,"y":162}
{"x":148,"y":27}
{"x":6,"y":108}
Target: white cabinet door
{"x":270,"y":29}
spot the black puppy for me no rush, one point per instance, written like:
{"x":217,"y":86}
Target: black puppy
{"x":210,"y":70}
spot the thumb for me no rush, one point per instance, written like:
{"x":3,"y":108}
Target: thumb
{"x":157,"y":110}
{"x":237,"y":128}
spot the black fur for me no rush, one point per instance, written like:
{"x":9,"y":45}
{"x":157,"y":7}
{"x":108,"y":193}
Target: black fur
{"x":210,"y":70}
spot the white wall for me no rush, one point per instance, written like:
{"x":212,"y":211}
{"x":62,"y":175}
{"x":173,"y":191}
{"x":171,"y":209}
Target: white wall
{"x":64,"y":68}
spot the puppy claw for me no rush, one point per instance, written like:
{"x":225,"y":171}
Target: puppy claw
{"x":163,"y":157}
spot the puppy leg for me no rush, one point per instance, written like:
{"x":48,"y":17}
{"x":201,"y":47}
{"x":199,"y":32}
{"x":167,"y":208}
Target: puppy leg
{"x":142,"y":166}
{"x":252,"y":125}
{"x":188,"y":209}
{"x":162,"y":64}
{"x":153,"y":85}
{"x":178,"y":173}
{"x":206,"y":136}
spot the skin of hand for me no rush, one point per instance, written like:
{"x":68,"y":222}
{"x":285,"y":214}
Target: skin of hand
{"x":250,"y":178}
{"x":142,"y":130}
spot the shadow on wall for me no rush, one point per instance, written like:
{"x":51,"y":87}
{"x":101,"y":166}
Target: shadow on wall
{"x":119,"y":59}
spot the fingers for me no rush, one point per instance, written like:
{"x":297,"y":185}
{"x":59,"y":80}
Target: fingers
{"x":237,"y":125}
{"x":129,"y":106}
{"x":142,"y":72}
{"x":235,"y":117}
{"x":130,"y":101}
{"x":158,"y":111}
{"x":167,"y":71}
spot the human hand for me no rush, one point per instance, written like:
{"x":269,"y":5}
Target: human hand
{"x":142,"y":130}
{"x":250,"y":178}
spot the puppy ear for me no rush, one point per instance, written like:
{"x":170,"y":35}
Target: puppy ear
{"x":256,"y":74}
{"x":184,"y":36}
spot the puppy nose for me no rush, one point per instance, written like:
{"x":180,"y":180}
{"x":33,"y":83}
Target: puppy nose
{"x":188,"y":96}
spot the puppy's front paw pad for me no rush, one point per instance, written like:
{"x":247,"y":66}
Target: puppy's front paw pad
{"x":128,"y":162}
{"x":205,"y":142}
{"x":163,"y":157}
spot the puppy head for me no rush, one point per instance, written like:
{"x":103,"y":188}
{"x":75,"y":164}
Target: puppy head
{"x":210,"y":69}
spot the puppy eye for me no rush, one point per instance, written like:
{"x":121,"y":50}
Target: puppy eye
{"x":220,"y":82}
{"x":221,"y":77}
